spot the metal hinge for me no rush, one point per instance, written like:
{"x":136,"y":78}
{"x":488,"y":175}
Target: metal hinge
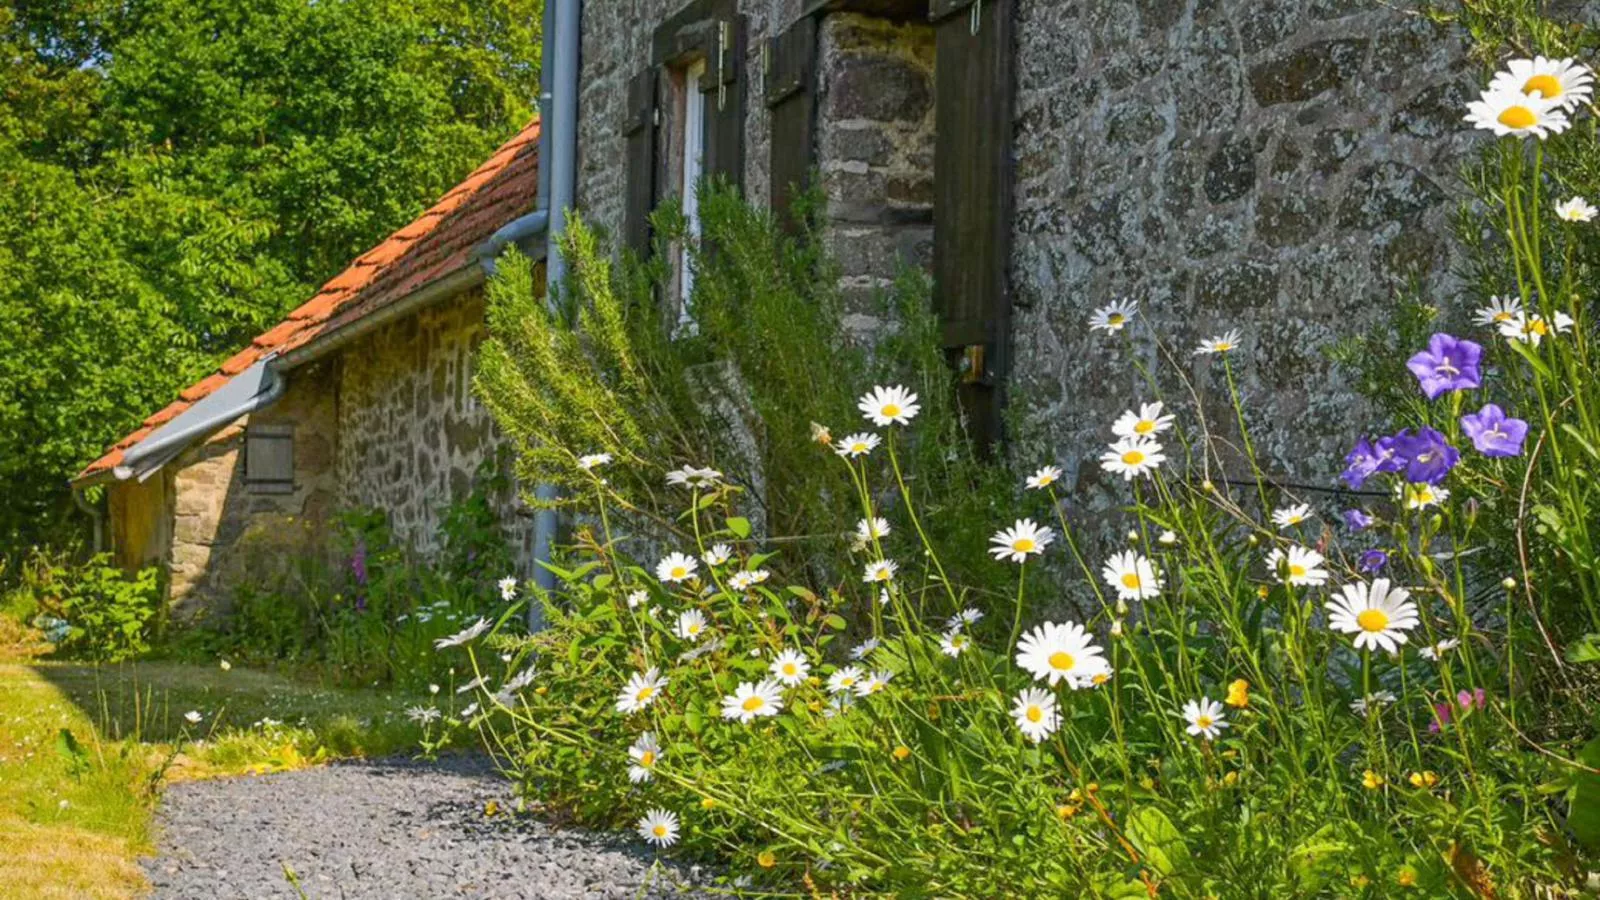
{"x":971,"y":366}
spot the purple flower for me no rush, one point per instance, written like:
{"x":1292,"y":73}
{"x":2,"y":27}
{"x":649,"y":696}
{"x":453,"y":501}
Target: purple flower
{"x":1475,"y":698}
{"x":1373,"y":561}
{"x":1442,"y":714}
{"x":358,"y":562}
{"x":1449,"y":364}
{"x":1428,"y":456}
{"x":1367,"y":458}
{"x":1493,"y":433}
{"x":1356,"y":519}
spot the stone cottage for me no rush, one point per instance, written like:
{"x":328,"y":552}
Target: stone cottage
{"x":1278,"y":166}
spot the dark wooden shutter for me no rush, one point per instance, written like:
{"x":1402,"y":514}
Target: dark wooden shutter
{"x":791,"y":88}
{"x":724,"y":87}
{"x":639,"y":130}
{"x":973,"y":201}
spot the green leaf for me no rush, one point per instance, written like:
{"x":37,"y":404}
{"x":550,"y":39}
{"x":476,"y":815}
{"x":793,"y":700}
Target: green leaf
{"x":1158,"y":839}
{"x":740,"y":526}
{"x":1584,"y":650}
{"x":836,"y":622}
{"x":1583,"y":812}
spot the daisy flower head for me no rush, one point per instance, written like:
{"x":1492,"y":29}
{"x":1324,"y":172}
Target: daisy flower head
{"x":1372,"y":702}
{"x":640,"y":691}
{"x":1576,"y":209}
{"x":1205,"y":718}
{"x":1300,"y":566}
{"x":1043,"y":478}
{"x":691,"y":625}
{"x":968,"y":616}
{"x":675,"y":567}
{"x":1378,"y":615}
{"x":694,"y":477}
{"x":745,"y":580}
{"x":859,"y":444}
{"x":1114,"y":316}
{"x":1508,"y":111}
{"x":864,"y":649}
{"x":1422,"y":496}
{"x":1292,"y":515}
{"x":508,"y":588}
{"x":869,"y":530}
{"x":1054,"y":653}
{"x":1133,"y":575}
{"x":471,"y":632}
{"x":659,"y":827}
{"x":1148,"y":420}
{"x":638,"y":598}
{"x":885,"y":406}
{"x":751,"y":701}
{"x":1500,"y":310}
{"x":644,"y":753}
{"x":873,"y":683}
{"x":193,"y":717}
{"x":1534,"y":328}
{"x":1036,"y":714}
{"x":790,"y":668}
{"x":1023,"y":539}
{"x":880,"y":571}
{"x":844,"y":681}
{"x":591,"y":461}
{"x":954,"y":643}
{"x":1132,"y":457}
{"x":1561,"y":82}
{"x":1437,"y":651}
{"x":1221,"y":344}
{"x":718,"y":554}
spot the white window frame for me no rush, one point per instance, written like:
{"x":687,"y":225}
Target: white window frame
{"x":693,"y":167}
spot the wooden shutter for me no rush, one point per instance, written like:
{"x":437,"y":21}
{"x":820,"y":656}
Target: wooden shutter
{"x":639,"y":130}
{"x":973,"y":201}
{"x":724,"y":87}
{"x":791,"y":89}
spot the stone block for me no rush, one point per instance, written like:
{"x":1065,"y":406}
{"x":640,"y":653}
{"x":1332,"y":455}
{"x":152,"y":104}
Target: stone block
{"x":879,"y":88}
{"x":1305,"y":72}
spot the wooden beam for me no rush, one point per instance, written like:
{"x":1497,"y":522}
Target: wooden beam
{"x":903,"y":10}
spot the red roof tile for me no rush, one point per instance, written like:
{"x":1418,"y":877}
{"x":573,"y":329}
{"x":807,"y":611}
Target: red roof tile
{"x":438,"y":243}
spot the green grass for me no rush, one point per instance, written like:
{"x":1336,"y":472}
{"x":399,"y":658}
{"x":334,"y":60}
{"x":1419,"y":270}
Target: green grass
{"x":74,"y":821}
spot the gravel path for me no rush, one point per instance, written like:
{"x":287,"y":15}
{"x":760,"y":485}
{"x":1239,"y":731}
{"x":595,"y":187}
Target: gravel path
{"x":387,"y":829}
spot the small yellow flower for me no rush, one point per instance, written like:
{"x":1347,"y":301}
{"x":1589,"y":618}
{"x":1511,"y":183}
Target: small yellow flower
{"x":1360,"y":881}
{"x":1238,"y":694}
{"x":490,"y":808}
{"x":1066,"y":811}
{"x":1263,"y":591}
{"x":1371,"y":780}
{"x":1230,"y":779}
{"x":901,"y":752}
{"x":821,"y":434}
{"x":1407,"y":877}
{"x":1424,"y":780}
{"x":1076,"y":796}
{"x":541,"y":690}
{"x":1094,"y":787}
{"x":707,"y":803}
{"x":766,"y":859}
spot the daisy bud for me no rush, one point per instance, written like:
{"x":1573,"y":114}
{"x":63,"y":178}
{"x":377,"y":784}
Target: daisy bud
{"x":1254,"y":541}
{"x":1168,"y":538}
{"x":1116,"y":628}
{"x":1133,"y":537}
{"x":1509,"y":584}
{"x":1208,"y":487}
{"x":1122,"y":607}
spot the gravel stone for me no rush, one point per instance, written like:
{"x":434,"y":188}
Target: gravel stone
{"x":388,"y":829}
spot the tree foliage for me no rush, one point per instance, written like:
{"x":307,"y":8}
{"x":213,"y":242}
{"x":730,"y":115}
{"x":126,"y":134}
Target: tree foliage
{"x":176,"y":174}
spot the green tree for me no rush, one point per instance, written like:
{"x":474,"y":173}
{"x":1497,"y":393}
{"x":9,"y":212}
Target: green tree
{"x":176,"y":174}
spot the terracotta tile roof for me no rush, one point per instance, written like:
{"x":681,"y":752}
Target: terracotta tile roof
{"x":439,"y":243}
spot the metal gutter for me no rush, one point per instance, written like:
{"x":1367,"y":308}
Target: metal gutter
{"x":257,"y":387}
{"x":463,"y":279}
{"x":519,"y":232}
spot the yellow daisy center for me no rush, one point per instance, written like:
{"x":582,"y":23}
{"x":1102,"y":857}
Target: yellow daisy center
{"x":1546,"y":86}
{"x":679,"y":571}
{"x":1100,"y":678}
{"x":645,"y":693}
{"x":1502,"y":317}
{"x":1222,"y":346}
{"x":890,"y":410}
{"x":1116,"y":319}
{"x":858,"y":447}
{"x":1133,"y":457}
{"x":1203,"y":722}
{"x":882,"y":574}
{"x":1145,"y":426}
{"x":1130,"y":580}
{"x":1034,"y":714}
{"x":1373,"y":620}
{"x":659,"y":831}
{"x":647,"y":758}
{"x":1538,"y":326}
{"x":847,"y":682}
{"x":1023,"y":545}
{"x":788,"y":668}
{"x":1517,"y":117}
{"x":751,"y":704}
{"x":1062,"y":661}
{"x":1297,"y":571}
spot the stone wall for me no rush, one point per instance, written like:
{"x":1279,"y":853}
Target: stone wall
{"x":413,"y":437}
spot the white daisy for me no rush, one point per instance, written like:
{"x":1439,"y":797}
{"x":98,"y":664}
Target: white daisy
{"x":1562,"y":82}
{"x":882,"y":570}
{"x":790,"y":668}
{"x":749,"y":701}
{"x":590,"y":461}
{"x":1576,"y":209}
{"x":659,"y":827}
{"x":644,"y":753}
{"x":640,"y":691}
{"x":1533,"y":328}
{"x":1167,"y":538}
{"x":471,"y":632}
{"x":1114,"y":316}
{"x":1133,"y":575}
{"x":1043,"y":478}
{"x":694,"y":477}
{"x":745,"y":580}
{"x":1299,"y":566}
{"x":1132,"y":457}
{"x":864,"y":649}
{"x":1377,"y":615}
{"x":1372,"y":702}
{"x":1220,"y":344}
{"x":1036,"y":714}
{"x":193,"y":717}
{"x":508,"y":588}
{"x":422,"y":715}
{"x":1205,"y":718}
{"x":968,"y":616}
{"x":844,"y":681}
{"x":1438,"y":650}
{"x":718,"y":554}
{"x":859,"y":444}
{"x":954,"y":643}
{"x":1021,"y":540}
{"x":1508,"y":111}
{"x":1500,"y":310}
{"x":691,"y":625}
{"x":1292,"y":515}
{"x":1147,"y":421}
{"x":675,"y":567}
{"x":873,"y":683}
{"x":637,"y":599}
{"x":868,"y":531}
{"x":1060,"y":652}
{"x":889,"y":405}
{"x":1421,"y":496}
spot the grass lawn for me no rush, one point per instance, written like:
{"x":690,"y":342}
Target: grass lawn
{"x":76,"y":813}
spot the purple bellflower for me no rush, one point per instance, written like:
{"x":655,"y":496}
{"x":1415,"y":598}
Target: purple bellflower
{"x":1449,"y":364}
{"x":1493,"y":432}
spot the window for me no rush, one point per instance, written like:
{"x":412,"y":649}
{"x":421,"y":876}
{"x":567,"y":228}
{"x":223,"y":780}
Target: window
{"x":692,"y":153}
{"x":269,"y":459}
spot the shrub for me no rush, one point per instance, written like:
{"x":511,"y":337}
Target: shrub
{"x":95,"y":610}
